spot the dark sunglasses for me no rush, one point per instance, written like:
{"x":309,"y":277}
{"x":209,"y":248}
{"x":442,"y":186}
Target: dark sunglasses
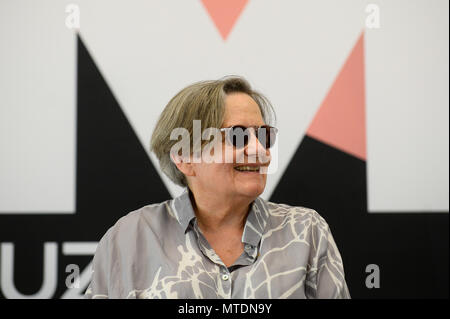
{"x":239,"y":135}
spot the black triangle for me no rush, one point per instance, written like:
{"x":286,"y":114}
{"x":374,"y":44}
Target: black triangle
{"x":113,"y":167}
{"x":114,"y":176}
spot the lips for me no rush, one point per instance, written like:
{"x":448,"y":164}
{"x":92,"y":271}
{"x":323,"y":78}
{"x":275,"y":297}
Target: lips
{"x":247,"y":168}
{"x":251,"y":168}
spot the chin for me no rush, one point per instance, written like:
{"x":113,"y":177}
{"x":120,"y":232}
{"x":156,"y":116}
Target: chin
{"x":253,"y":190}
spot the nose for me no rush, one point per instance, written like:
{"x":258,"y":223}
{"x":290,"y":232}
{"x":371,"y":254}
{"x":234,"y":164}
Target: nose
{"x":255,"y":150}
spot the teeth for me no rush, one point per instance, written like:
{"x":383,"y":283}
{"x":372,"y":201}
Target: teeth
{"x":247,"y":168}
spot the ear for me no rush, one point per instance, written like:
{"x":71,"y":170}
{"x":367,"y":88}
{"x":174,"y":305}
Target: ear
{"x":184,"y":165}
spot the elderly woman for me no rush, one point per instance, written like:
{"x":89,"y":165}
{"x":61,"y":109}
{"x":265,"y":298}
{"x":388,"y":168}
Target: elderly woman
{"x":218,"y":239}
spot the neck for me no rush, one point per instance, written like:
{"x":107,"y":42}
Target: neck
{"x":215,"y":212}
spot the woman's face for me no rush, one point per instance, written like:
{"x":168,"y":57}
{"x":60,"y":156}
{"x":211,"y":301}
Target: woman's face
{"x":223,"y":178}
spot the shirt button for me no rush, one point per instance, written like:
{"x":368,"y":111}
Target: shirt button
{"x":225,"y":277}
{"x":247,"y":248}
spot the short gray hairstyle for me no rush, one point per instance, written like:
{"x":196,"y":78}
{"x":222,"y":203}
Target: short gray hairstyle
{"x":205,"y":101}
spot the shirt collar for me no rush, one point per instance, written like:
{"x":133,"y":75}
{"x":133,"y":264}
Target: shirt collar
{"x":254,"y":225}
{"x":256,"y":222}
{"x":184,"y":211}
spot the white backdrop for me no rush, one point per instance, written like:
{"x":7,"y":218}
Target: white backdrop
{"x":290,"y":50}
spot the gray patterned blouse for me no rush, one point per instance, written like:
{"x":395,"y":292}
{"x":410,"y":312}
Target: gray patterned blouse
{"x":158,"y":251}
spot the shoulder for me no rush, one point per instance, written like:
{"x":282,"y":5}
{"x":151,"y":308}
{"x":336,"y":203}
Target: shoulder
{"x":302,"y":225}
{"x":296,"y":214}
{"x":298,"y":223}
{"x":149,"y":218}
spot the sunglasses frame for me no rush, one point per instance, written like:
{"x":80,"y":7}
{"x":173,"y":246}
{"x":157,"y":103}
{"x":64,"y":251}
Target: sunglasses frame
{"x":229,"y":138}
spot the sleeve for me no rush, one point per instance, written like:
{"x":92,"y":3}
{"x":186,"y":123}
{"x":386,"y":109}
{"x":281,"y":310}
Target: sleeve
{"x":326,"y":274}
{"x":101,"y":270}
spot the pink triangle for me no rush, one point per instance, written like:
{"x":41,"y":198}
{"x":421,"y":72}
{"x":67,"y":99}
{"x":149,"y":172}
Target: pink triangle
{"x":340,"y":120}
{"x":224,"y":13}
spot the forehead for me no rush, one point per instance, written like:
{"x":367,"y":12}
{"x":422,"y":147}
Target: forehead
{"x":241,"y":109}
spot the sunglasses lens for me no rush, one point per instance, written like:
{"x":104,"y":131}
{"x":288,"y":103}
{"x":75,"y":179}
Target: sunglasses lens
{"x":266,"y":136}
{"x":239,"y":136}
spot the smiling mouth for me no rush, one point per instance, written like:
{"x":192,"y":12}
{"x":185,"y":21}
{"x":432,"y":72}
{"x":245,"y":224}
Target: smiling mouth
{"x":247,"y":169}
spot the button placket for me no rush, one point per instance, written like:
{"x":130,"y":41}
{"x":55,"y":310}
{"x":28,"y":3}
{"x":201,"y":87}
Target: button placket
{"x":225,"y":278}
{"x":224,"y":274}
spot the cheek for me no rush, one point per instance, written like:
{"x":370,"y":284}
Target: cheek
{"x":219,"y":154}
{"x":228,"y":169}
{"x":228,"y":155}
{"x":220,"y":172}
{"x":206,"y":171}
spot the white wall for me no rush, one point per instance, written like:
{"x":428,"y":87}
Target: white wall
{"x":290,"y":50}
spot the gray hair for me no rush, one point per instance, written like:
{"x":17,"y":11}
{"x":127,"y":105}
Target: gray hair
{"x":205,"y":101}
